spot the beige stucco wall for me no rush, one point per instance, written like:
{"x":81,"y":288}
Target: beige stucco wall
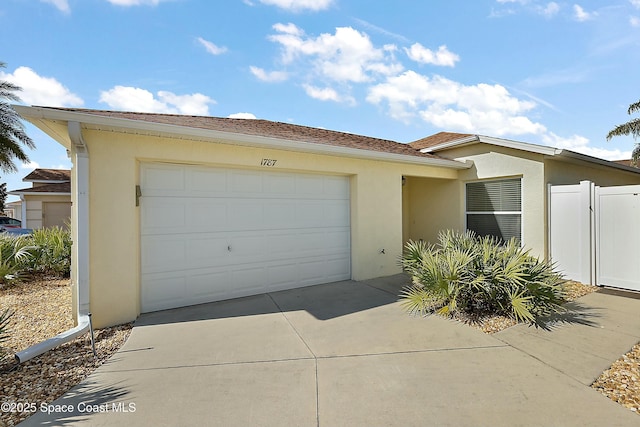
{"x":431,"y":205}
{"x":493,"y":162}
{"x":114,"y":171}
{"x":536,"y":171}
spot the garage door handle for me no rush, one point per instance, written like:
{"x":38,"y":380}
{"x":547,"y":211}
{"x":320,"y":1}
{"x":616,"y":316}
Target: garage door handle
{"x":229,"y":248}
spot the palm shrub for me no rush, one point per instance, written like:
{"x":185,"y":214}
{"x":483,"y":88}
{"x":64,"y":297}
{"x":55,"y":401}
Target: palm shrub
{"x":479,"y":276}
{"x":14,"y":252}
{"x":5,"y":318}
{"x":51,"y":252}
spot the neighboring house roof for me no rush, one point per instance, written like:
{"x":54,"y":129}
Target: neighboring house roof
{"x":437,"y":139}
{"x":55,"y":188}
{"x":262,"y":128}
{"x":626,"y":162}
{"x":48,"y":175}
{"x":443,"y":141}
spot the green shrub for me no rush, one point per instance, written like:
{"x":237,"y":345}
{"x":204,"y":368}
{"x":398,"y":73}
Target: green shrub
{"x":5,"y":318}
{"x":14,"y":252}
{"x":51,"y":254}
{"x":479,"y":276}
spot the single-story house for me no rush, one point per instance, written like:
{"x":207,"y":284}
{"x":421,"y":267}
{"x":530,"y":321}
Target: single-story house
{"x":47,"y":203}
{"x":172,"y":210}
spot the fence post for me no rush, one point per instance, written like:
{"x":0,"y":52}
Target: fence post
{"x":587,"y":248}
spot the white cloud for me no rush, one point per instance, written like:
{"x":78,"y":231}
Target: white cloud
{"x":443,"y":56}
{"x":551,"y":9}
{"x":61,"y":5}
{"x":327,"y":94}
{"x":346,"y":56}
{"x":38,"y":90}
{"x":634,"y":21}
{"x":211,"y":47}
{"x":247,"y":116}
{"x":635,"y":3}
{"x":299,"y":5}
{"x":580,"y":144}
{"x":269,"y":76}
{"x":582,"y":15}
{"x":141,"y":100}
{"x":30,"y":165}
{"x":450,"y":105}
{"x":128,"y":3}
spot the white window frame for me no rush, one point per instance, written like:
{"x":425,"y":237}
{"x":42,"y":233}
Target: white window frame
{"x":520,"y":212}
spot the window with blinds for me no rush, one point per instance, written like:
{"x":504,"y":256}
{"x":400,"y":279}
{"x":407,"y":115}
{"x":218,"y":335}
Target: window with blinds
{"x":494,"y":208}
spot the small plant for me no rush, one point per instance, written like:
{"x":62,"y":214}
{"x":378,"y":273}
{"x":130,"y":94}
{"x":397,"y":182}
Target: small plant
{"x":14,"y":252}
{"x":51,"y":252}
{"x":5,"y":318}
{"x":479,"y":276}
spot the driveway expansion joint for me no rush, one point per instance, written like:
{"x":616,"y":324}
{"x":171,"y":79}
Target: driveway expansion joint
{"x":315,"y":358}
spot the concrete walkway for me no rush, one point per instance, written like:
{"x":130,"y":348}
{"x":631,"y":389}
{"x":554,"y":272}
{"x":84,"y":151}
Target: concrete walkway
{"x":345,"y":354}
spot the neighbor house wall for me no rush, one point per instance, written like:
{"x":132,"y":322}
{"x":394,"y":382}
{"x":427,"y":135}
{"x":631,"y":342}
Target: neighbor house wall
{"x":568,"y":173}
{"x":114,"y":172}
{"x":34,"y":209}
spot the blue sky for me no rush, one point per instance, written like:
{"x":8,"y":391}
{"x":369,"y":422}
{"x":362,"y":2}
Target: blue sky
{"x":553,"y":73}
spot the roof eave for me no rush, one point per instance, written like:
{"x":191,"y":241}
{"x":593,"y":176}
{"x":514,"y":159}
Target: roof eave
{"x":37,"y":115}
{"x":508,"y":143}
{"x":572,"y":155}
{"x":38,"y":193}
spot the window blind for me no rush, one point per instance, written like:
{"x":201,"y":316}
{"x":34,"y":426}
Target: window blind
{"x":494,"y":208}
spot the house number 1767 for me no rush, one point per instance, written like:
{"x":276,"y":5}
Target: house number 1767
{"x":268,"y":162}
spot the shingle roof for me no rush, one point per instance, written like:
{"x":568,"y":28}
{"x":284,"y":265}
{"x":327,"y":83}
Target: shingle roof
{"x":62,"y":187}
{"x":49,"y":175}
{"x":266,"y":128}
{"x":626,"y":162}
{"x":437,"y":139}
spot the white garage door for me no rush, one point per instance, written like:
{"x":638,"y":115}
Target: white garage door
{"x":209,"y":234}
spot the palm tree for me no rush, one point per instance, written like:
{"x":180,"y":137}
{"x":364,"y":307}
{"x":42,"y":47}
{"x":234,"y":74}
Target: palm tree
{"x":632,"y":127}
{"x":12,"y":133}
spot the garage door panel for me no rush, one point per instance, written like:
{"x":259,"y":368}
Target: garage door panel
{"x":312,"y":271}
{"x":340,"y":267}
{"x":282,"y":275}
{"x":310,"y":214}
{"x":160,"y":179}
{"x":162,"y":253}
{"x":246,"y":182}
{"x":161,"y":292}
{"x":250,"y":279}
{"x":336,"y":187}
{"x":336,"y":214}
{"x":279,"y":184}
{"x":206,"y":182}
{"x":215,"y":233}
{"x":203,"y":286}
{"x":245,"y":215}
{"x":279,"y":214}
{"x":338,"y":239}
{"x":205,"y":215}
{"x":205,"y":251}
{"x":163,"y":213}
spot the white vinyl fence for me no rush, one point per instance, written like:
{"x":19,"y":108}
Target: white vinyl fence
{"x":594,"y":233}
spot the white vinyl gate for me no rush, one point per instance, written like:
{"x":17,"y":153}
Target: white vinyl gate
{"x":594,"y":233}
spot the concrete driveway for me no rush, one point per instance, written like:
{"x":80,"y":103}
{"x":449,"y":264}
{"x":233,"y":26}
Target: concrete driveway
{"x":345,"y":354}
